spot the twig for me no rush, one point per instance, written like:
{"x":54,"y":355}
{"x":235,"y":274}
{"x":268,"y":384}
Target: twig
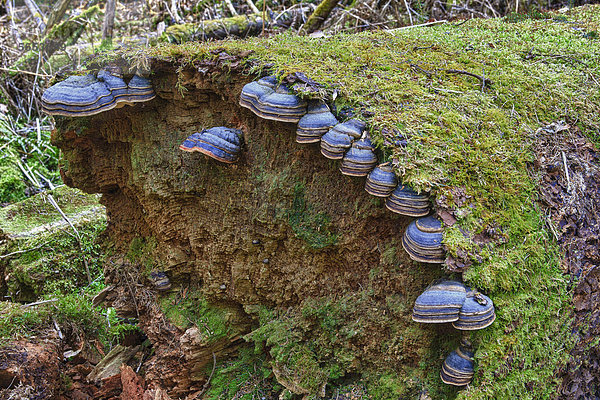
{"x":482,"y":79}
{"x":11,"y":17}
{"x":60,"y":334}
{"x":564,"y":158}
{"x":37,"y":14}
{"x":14,"y":253}
{"x":206,"y":385}
{"x":24,"y":72}
{"x":442,"y":21}
{"x":409,"y":13}
{"x":419,"y":69}
{"x":37,"y":303}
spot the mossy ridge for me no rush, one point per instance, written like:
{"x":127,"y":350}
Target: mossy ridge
{"x":328,"y":340}
{"x":55,"y":264}
{"x":37,"y":210}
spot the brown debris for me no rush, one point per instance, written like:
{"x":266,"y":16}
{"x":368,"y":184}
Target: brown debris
{"x":568,"y":166}
{"x":32,"y":367}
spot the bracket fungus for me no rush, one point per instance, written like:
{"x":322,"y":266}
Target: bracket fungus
{"x":440,"y":302}
{"x":160,"y":280}
{"x":82,"y":96}
{"x":339,"y":138}
{"x":269,"y":100}
{"x":423,"y":240}
{"x":221,"y":143}
{"x":317,"y":121}
{"x":381,"y":181}
{"x":360,"y":159}
{"x":476,"y":313}
{"x":457,"y":369}
{"x":403,"y":200}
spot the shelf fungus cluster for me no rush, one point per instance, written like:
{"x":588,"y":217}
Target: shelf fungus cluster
{"x":81,"y":96}
{"x":221,"y":143}
{"x":452,"y":302}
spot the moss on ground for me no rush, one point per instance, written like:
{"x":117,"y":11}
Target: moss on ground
{"x":37,"y":211}
{"x":469,"y":143}
{"x":53,"y":265}
{"x":12,"y":187}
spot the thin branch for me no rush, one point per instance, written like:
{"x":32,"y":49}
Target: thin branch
{"x":442,"y":21}
{"x":484,"y":81}
{"x":14,"y":253}
{"x":37,"y":303}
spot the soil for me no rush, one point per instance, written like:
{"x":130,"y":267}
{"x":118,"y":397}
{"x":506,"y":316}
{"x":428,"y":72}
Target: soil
{"x":569,"y":169}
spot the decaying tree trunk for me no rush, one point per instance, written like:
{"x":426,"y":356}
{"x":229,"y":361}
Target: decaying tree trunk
{"x":109,"y":22}
{"x":319,"y":16}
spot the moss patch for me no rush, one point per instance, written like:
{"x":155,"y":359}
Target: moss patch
{"x":20,"y":218}
{"x":311,"y":226}
{"x":190,"y":308}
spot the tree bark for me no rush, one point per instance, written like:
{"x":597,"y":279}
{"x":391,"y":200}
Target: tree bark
{"x":319,"y":16}
{"x":109,"y":21}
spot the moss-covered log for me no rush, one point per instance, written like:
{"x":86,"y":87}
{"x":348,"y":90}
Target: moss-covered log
{"x":325,"y":292}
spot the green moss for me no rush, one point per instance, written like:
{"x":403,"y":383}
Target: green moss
{"x":55,"y":264}
{"x":312,"y":227}
{"x":142,"y":250}
{"x":12,"y":188}
{"x":21,"y":217}
{"x":246,"y":377}
{"x":191,"y":308}
{"x":73,"y":312}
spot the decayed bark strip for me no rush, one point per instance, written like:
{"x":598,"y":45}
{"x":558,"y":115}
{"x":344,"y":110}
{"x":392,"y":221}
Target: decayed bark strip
{"x":239,"y":26}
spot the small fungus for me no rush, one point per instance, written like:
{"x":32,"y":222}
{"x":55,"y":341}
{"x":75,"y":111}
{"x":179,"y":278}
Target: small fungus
{"x":457,"y":369}
{"x":269,"y":100}
{"x":160,"y":280}
{"x":403,"y":200}
{"x":381,"y":181}
{"x":360,"y":159}
{"x":476,"y":313}
{"x":423,"y":240}
{"x":317,"y":121}
{"x":339,"y":138}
